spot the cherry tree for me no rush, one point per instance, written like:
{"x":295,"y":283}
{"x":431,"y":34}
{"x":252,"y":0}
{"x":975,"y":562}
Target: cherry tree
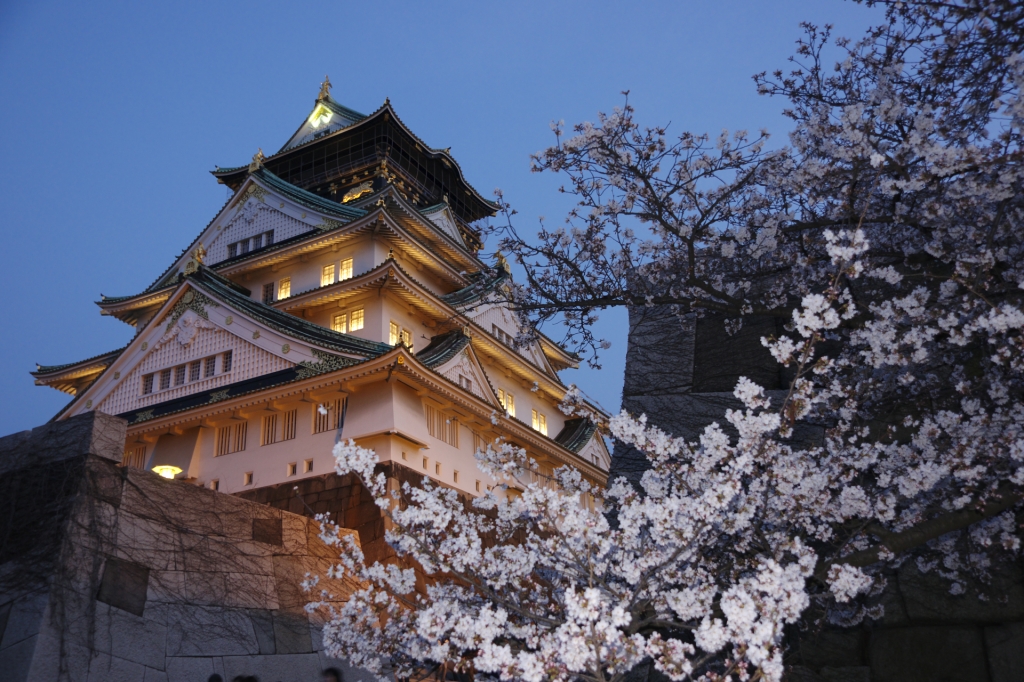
{"x":888,"y":237}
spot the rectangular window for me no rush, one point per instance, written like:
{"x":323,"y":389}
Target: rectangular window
{"x":179,"y":375}
{"x":194,"y":370}
{"x":284,"y":288}
{"x":340,"y":323}
{"x":268,"y":435}
{"x":407,"y":338}
{"x":346,"y":270}
{"x":232,"y":250}
{"x":478,"y":442}
{"x":165,"y":379}
{"x":268,"y":237}
{"x":356,"y":320}
{"x":478,"y":486}
{"x":247,"y":478}
{"x":425,"y":463}
{"x":215,"y":484}
{"x":293,"y":468}
{"x":327,"y":422}
{"x":455,"y":476}
{"x":327,"y":275}
{"x":393,"y":336}
{"x":465,"y":382}
{"x":225,"y":365}
{"x":540,"y":422}
{"x":268,"y":293}
{"x":288,"y":427}
{"x":211,"y":366}
{"x":307,"y":466}
{"x":437,"y":468}
{"x":147,"y":384}
{"x":231,"y":438}
{"x":243,"y":246}
{"x":404,"y":456}
{"x":441,"y":427}
{"x":508,"y":401}
{"x":135,"y":458}
{"x":257,"y":242}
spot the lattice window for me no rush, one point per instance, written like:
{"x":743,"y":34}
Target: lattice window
{"x":284,"y":288}
{"x":479,"y":442}
{"x":232,"y":250}
{"x":268,"y":293}
{"x":465,"y":382}
{"x":268,"y":435}
{"x":165,"y":379}
{"x":540,"y":422}
{"x":268,"y":237}
{"x":288,"y":424}
{"x":346,"y":270}
{"x":147,"y":384}
{"x":231,"y":438}
{"x":508,"y":401}
{"x":393,"y":335}
{"x":194,"y":370}
{"x":327,"y":275}
{"x":179,"y":375}
{"x":225,"y":365}
{"x":407,"y":338}
{"x":326,"y":416}
{"x":356,"y":320}
{"x":340,"y":323}
{"x":441,"y":427}
{"x":257,"y":242}
{"x":135,"y":458}
{"x":243,"y":246}
{"x":211,"y":366}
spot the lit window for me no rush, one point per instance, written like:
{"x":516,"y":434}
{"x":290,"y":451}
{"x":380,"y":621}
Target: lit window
{"x":147,"y":384}
{"x":407,"y":338}
{"x":225,"y":365}
{"x":307,"y":466}
{"x":340,"y":323}
{"x":393,"y":337}
{"x":346,"y":269}
{"x":179,"y":375}
{"x":284,"y":288}
{"x":247,"y":478}
{"x":194,"y":370}
{"x":540,"y":422}
{"x":356,"y":321}
{"x":508,"y":401}
{"x":268,"y":293}
{"x":165,"y":379}
{"x":327,"y":276}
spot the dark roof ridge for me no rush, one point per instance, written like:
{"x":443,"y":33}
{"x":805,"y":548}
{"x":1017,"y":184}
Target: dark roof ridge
{"x":49,"y":369}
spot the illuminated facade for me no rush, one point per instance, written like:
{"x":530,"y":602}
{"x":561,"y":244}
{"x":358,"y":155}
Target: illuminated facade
{"x":337,"y":293}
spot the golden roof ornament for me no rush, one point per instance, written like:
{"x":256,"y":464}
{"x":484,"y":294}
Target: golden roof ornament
{"x":325,"y":88}
{"x":257,"y":160}
{"x":502,"y":263}
{"x":199,"y":253}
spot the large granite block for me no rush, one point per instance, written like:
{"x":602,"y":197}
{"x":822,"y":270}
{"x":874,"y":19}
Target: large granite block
{"x":1005,"y":644}
{"x":927,"y":597}
{"x":928,"y":654}
{"x":279,"y":668}
{"x":124,"y":585}
{"x":106,"y":668}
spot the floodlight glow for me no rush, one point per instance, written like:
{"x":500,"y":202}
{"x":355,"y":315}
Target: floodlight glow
{"x":167,"y":471}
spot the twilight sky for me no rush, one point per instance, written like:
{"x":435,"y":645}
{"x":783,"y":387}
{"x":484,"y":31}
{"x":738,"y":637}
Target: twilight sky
{"x":112,"y":114}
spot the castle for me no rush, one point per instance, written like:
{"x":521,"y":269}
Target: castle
{"x":339,"y":293}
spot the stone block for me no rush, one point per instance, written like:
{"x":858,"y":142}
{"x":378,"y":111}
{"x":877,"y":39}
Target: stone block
{"x":124,"y":585}
{"x":268,"y":531}
{"x":294,"y":534}
{"x":107,"y":668}
{"x":24,"y":619}
{"x":279,"y":668}
{"x":848,"y":674}
{"x":832,"y":648}
{"x":250,"y":591}
{"x":143,"y":539}
{"x":93,"y":433}
{"x":16,"y":660}
{"x":263,"y":625}
{"x":796,"y":673}
{"x":120,"y":634}
{"x":1005,"y":644}
{"x":928,"y":654}
{"x":205,"y":630}
{"x":155,"y":675}
{"x":189,"y":669}
{"x":348,"y":673}
{"x":291,"y":633}
{"x":927,"y":597}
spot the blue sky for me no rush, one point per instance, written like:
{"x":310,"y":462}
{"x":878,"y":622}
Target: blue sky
{"x":112,"y":114}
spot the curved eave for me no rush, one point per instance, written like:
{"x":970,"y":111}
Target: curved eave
{"x":72,"y":377}
{"x":228,"y":175}
{"x":556,"y":355}
{"x":427,"y":231}
{"x":130,"y":308}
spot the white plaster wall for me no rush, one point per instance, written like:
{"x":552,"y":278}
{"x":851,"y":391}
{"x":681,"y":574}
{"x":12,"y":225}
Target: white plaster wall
{"x":244,"y":222}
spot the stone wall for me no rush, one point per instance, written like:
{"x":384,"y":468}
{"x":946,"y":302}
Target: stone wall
{"x":680,"y":373}
{"x":143,"y":579}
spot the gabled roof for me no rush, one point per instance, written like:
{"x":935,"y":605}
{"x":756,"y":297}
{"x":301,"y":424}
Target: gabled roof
{"x":443,"y":348}
{"x":72,"y":377}
{"x":482,"y":283}
{"x":307,"y":199}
